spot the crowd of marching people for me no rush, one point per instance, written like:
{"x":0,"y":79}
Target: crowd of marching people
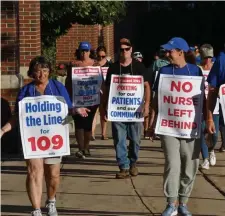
{"x":174,"y":59}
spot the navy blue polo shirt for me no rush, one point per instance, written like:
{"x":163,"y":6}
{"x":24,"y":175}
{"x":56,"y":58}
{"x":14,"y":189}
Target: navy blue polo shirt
{"x":216,"y":76}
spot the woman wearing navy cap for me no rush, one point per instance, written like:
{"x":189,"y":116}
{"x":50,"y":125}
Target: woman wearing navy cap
{"x":181,"y":155}
{"x":83,"y":125}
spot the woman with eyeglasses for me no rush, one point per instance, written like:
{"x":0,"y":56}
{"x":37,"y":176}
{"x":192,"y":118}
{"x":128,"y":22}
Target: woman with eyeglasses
{"x":40,"y":71}
{"x":83,"y":125}
{"x":181,"y":155}
{"x":103,"y":62}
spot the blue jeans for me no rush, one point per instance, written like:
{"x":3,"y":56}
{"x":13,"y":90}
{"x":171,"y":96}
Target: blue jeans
{"x":204,"y":148}
{"x":120,"y":132}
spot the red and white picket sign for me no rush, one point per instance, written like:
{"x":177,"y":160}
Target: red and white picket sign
{"x":42,"y":128}
{"x":180,"y":100}
{"x":125,"y":102}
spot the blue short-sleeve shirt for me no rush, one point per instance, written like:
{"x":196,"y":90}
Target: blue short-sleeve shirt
{"x":216,"y":76}
{"x":187,"y":70}
{"x":54,"y":87}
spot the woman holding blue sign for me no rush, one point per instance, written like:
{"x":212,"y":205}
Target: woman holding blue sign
{"x":83,"y":126}
{"x":181,"y":154}
{"x":42,"y":85}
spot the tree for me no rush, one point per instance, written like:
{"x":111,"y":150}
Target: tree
{"x":58,"y":16}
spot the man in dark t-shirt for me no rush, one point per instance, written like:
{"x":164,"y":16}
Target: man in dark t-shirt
{"x":121,"y":130}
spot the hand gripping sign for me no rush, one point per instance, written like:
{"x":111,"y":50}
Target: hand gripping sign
{"x":42,"y":128}
{"x":86,"y":82}
{"x":126,"y":98}
{"x":180,"y":100}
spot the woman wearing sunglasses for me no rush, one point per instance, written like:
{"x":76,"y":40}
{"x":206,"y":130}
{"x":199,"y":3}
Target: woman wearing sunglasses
{"x":103,"y":62}
{"x":83,"y":125}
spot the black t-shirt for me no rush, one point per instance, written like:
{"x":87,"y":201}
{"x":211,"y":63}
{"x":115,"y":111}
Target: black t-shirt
{"x":135,"y":68}
{"x":107,"y":64}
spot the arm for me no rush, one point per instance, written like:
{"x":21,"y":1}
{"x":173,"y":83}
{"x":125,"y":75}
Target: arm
{"x":9,"y":125}
{"x":147,"y":95}
{"x":210,"y":105}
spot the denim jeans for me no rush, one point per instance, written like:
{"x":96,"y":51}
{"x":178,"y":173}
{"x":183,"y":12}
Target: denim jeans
{"x":204,"y":148}
{"x":120,"y":132}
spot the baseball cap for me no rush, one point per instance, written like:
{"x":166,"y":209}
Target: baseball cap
{"x":137,"y":55}
{"x":125,"y":41}
{"x":84,"y":45}
{"x":206,"y":50}
{"x":176,"y":43}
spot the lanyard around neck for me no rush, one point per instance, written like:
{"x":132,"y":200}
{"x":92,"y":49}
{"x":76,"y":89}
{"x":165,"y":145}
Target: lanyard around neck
{"x":189,"y":73}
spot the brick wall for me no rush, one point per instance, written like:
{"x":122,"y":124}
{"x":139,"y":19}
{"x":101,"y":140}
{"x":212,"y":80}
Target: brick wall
{"x":108,"y":37}
{"x":20,"y":43}
{"x":30,"y":35}
{"x":67,"y":44}
{"x":9,"y":37}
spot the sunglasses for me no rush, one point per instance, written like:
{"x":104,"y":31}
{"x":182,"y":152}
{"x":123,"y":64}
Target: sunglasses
{"x":84,"y":50}
{"x":101,"y":56}
{"x":124,"y":49}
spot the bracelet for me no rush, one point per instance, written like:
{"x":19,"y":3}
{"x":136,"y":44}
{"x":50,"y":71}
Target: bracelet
{"x":210,"y":120}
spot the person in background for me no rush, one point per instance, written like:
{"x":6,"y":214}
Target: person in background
{"x":103,"y":62}
{"x":153,"y":71}
{"x":83,"y":126}
{"x":208,"y":154}
{"x":181,"y":155}
{"x":39,"y":71}
{"x":138,"y":56}
{"x":215,"y":79}
{"x":197,"y":55}
{"x":122,"y":130}
{"x":156,"y":56}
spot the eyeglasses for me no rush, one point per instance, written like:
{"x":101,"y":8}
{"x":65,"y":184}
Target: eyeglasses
{"x":124,"y":49}
{"x":44,"y":71}
{"x":101,"y":56}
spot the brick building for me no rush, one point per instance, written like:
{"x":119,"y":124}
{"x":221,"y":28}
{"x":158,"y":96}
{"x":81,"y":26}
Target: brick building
{"x":20,"y":42}
{"x":97,"y":35}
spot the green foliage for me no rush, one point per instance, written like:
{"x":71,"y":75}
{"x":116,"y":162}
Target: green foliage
{"x":49,"y":52}
{"x":57,"y":16}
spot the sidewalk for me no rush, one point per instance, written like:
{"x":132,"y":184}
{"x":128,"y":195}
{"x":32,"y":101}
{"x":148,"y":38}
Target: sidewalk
{"x":88,"y":187}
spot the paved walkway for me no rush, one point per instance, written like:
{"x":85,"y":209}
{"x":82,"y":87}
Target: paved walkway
{"x":88,"y":187}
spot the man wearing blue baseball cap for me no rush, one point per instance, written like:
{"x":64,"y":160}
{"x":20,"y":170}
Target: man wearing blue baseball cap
{"x":178,"y":152}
